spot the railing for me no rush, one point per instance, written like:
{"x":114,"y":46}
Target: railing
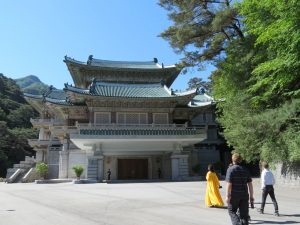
{"x":140,"y":132}
{"x":47,"y":122}
{"x":115,"y":126}
{"x":42,"y":142}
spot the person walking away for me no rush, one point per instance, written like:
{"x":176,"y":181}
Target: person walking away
{"x":212,"y":195}
{"x":238,"y":191}
{"x":267,"y":182}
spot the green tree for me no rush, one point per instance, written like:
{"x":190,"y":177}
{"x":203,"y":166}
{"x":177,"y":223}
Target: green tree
{"x":257,"y":77}
{"x":15,"y":127}
{"x":260,"y":113}
{"x":202,"y":28}
{"x":20,"y":117}
{"x":197,"y":82}
{"x":276,"y":27}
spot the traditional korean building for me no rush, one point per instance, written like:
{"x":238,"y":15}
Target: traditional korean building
{"x":123,"y":116}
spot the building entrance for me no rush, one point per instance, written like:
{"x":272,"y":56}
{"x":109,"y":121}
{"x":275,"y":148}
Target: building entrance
{"x":131,"y":169}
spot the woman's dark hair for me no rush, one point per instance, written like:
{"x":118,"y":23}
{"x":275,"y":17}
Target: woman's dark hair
{"x":211,"y":168}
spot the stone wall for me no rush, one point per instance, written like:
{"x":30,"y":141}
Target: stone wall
{"x":288,"y":174}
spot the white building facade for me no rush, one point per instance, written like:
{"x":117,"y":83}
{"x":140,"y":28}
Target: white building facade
{"x":123,"y":117}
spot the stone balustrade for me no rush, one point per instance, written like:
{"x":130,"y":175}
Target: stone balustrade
{"x":141,"y":132}
{"x":46,"y":122}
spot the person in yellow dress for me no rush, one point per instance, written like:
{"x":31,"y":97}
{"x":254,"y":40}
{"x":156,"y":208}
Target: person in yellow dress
{"x":212,"y":196}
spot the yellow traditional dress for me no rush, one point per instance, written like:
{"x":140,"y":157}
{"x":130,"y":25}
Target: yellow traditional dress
{"x":212,"y":196}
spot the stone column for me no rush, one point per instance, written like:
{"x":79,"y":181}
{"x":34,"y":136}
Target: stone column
{"x":39,"y":155}
{"x":100,"y":176}
{"x":41,"y":134}
{"x":64,"y":162}
{"x":179,"y":164}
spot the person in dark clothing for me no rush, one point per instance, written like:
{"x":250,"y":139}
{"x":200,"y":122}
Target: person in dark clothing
{"x":108,"y":174}
{"x":159,"y":173}
{"x":267,"y":182}
{"x":239,"y":187}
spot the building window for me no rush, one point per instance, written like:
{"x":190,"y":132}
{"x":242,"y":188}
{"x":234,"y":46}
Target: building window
{"x":132,"y":118}
{"x":102,"y":118}
{"x":160,"y":118}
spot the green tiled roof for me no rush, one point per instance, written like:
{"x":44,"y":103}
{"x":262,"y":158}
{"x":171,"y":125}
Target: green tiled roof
{"x":120,"y":64}
{"x":52,"y":95}
{"x":33,"y":96}
{"x":131,"y":90}
{"x":57,"y":94}
{"x":124,"y":90}
{"x":201,"y":100}
{"x":58,"y":101}
{"x":124,"y":64}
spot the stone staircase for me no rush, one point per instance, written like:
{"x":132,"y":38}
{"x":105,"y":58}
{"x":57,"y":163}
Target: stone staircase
{"x":18,"y":171}
{"x":92,"y":169}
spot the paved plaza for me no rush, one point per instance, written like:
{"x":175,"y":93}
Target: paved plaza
{"x":174,"y":203}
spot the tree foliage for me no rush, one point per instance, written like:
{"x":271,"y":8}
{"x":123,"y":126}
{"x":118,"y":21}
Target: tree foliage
{"x":15,"y":127}
{"x":42,"y":169}
{"x":276,"y":26}
{"x":202,"y":28}
{"x":197,"y":82}
{"x":257,"y":75}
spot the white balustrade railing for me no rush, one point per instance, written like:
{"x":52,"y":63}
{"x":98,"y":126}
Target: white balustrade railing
{"x":130,"y":126}
{"x":47,"y":121}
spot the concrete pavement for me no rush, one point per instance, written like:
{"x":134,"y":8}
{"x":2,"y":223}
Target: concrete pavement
{"x":174,"y":203}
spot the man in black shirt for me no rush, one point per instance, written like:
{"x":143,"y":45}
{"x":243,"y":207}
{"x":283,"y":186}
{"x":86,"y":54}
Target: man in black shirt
{"x":239,"y":183}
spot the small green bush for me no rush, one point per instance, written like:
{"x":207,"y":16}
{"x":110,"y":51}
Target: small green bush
{"x":78,"y":170}
{"x":42,"y":169}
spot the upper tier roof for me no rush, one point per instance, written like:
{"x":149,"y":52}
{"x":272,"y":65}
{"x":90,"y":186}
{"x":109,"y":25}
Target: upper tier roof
{"x":120,"y":71}
{"x":105,"y":89}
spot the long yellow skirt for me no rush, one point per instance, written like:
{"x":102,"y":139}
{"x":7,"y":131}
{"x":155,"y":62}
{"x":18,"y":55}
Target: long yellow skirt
{"x":212,"y":196}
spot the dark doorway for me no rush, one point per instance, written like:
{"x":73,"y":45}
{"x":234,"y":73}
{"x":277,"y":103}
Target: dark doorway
{"x":132,"y":169}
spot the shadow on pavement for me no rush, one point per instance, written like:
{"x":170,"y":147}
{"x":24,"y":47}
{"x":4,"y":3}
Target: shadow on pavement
{"x":295,"y":215}
{"x":273,"y":222}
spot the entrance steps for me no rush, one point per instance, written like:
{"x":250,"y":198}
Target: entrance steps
{"x":20,"y":170}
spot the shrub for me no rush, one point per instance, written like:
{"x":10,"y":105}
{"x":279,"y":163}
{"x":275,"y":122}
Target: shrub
{"x":78,"y":170}
{"x":42,"y":169}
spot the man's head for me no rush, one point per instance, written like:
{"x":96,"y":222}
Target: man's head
{"x":265,"y":165}
{"x":236,"y":158}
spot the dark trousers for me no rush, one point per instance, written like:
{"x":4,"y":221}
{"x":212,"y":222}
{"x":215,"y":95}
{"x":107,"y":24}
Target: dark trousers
{"x":241,"y":204}
{"x":268,"y":190}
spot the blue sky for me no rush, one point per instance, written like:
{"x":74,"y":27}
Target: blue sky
{"x":36,"y":35}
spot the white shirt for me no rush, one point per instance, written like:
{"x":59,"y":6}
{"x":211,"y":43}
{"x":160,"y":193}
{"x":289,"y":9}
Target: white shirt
{"x":267,"y":178}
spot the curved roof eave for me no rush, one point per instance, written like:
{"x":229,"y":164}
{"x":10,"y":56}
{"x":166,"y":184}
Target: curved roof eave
{"x":27,"y":95}
{"x":169,"y":68}
{"x":87,"y":92}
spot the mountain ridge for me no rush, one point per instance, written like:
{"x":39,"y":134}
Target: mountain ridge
{"x":32,"y":84}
